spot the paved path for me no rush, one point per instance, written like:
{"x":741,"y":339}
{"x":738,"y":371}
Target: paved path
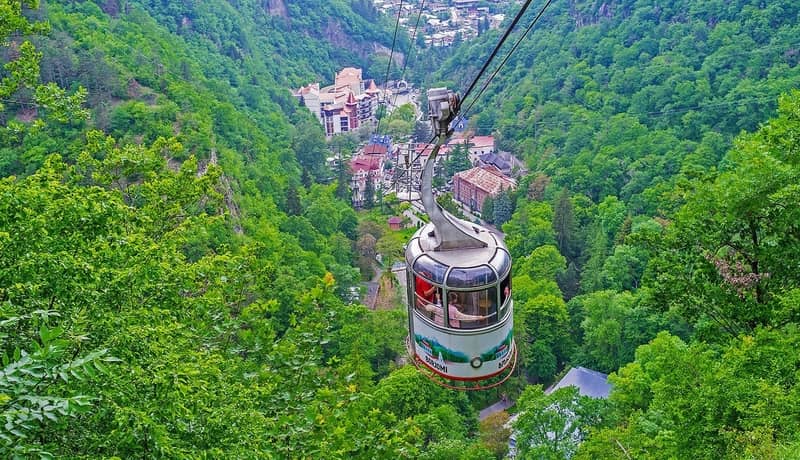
{"x":399,"y":271}
{"x":373,"y":286}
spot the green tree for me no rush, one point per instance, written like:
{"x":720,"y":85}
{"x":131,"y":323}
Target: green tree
{"x":440,"y":424}
{"x":709,"y":392}
{"x":449,"y":449}
{"x":592,"y":273}
{"x":310,"y":148}
{"x":503,"y":207}
{"x":343,"y":145}
{"x":487,"y":211}
{"x":544,"y":263}
{"x":529,"y":227}
{"x":543,"y":335}
{"x":611,"y":215}
{"x":569,"y":281}
{"x":343,"y":178}
{"x":420,"y":41}
{"x":722,"y":263}
{"x":23,"y":70}
{"x":422,"y":132}
{"x":369,"y":193}
{"x":391,"y":395}
{"x":457,"y":160}
{"x":450,"y":205}
{"x":605,"y":328}
{"x":564,"y":226}
{"x":526,"y":288}
{"x":35,"y":386}
{"x":553,"y":425}
{"x":494,"y":434}
{"x":293,"y":206}
{"x":623,"y":270}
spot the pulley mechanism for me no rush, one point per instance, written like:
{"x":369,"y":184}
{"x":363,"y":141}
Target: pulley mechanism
{"x":443,"y":106}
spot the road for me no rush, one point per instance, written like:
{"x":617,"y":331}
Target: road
{"x":399,"y":270}
{"x":372,"y":288}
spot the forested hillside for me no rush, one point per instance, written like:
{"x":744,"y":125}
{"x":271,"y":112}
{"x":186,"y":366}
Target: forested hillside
{"x":660,"y":210}
{"x":171,"y":272}
{"x":175,"y":268}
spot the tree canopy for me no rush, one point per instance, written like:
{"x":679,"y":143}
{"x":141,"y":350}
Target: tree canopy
{"x":178,"y":263}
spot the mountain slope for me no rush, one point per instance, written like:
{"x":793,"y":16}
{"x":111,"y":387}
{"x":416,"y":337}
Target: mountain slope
{"x":596,"y":76}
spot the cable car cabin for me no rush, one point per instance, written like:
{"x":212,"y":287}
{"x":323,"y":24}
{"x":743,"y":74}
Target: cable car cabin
{"x":460,"y":307}
{"x":460,"y":313}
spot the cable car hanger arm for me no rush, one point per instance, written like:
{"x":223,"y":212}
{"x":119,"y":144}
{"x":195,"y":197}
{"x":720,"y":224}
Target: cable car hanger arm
{"x":450,"y":232}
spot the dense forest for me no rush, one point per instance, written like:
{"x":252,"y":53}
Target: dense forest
{"x":655,"y":231}
{"x":177,"y":263}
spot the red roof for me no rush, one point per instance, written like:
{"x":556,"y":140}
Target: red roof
{"x":487,"y":178}
{"x":476,"y":141}
{"x":372,"y":88}
{"x":482,"y":141}
{"x":365,"y":163}
{"x":395,"y":220}
{"x":375,"y":149}
{"x":424,"y":150}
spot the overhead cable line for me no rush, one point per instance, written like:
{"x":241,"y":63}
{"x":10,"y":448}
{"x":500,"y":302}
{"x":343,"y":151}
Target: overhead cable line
{"x":391,"y":56}
{"x":491,"y":57}
{"x":653,"y":114}
{"x":503,"y":62}
{"x":413,"y":38}
{"x":411,"y":46}
{"x":497,"y":47}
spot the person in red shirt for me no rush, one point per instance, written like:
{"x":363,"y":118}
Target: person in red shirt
{"x":424,"y":291}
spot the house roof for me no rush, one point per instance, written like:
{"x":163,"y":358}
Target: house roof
{"x":362,"y":163}
{"x":476,"y":141}
{"x":482,"y":141}
{"x":327,"y":98}
{"x":372,"y":88}
{"x":496,"y":160}
{"x":394,"y":220}
{"x":310,"y":88}
{"x":424,"y":150}
{"x":589,"y":382}
{"x":375,"y":149}
{"x":332,"y":109}
{"x":488,"y":178}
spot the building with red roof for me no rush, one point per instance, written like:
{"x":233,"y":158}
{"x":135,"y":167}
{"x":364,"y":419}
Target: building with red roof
{"x":471,"y":187}
{"x":395,"y":222}
{"x":365,"y":168}
{"x":376,"y":149}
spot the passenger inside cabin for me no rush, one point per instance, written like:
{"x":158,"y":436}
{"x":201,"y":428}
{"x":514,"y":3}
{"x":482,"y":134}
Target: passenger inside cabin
{"x":424,"y":291}
{"x":453,"y":310}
